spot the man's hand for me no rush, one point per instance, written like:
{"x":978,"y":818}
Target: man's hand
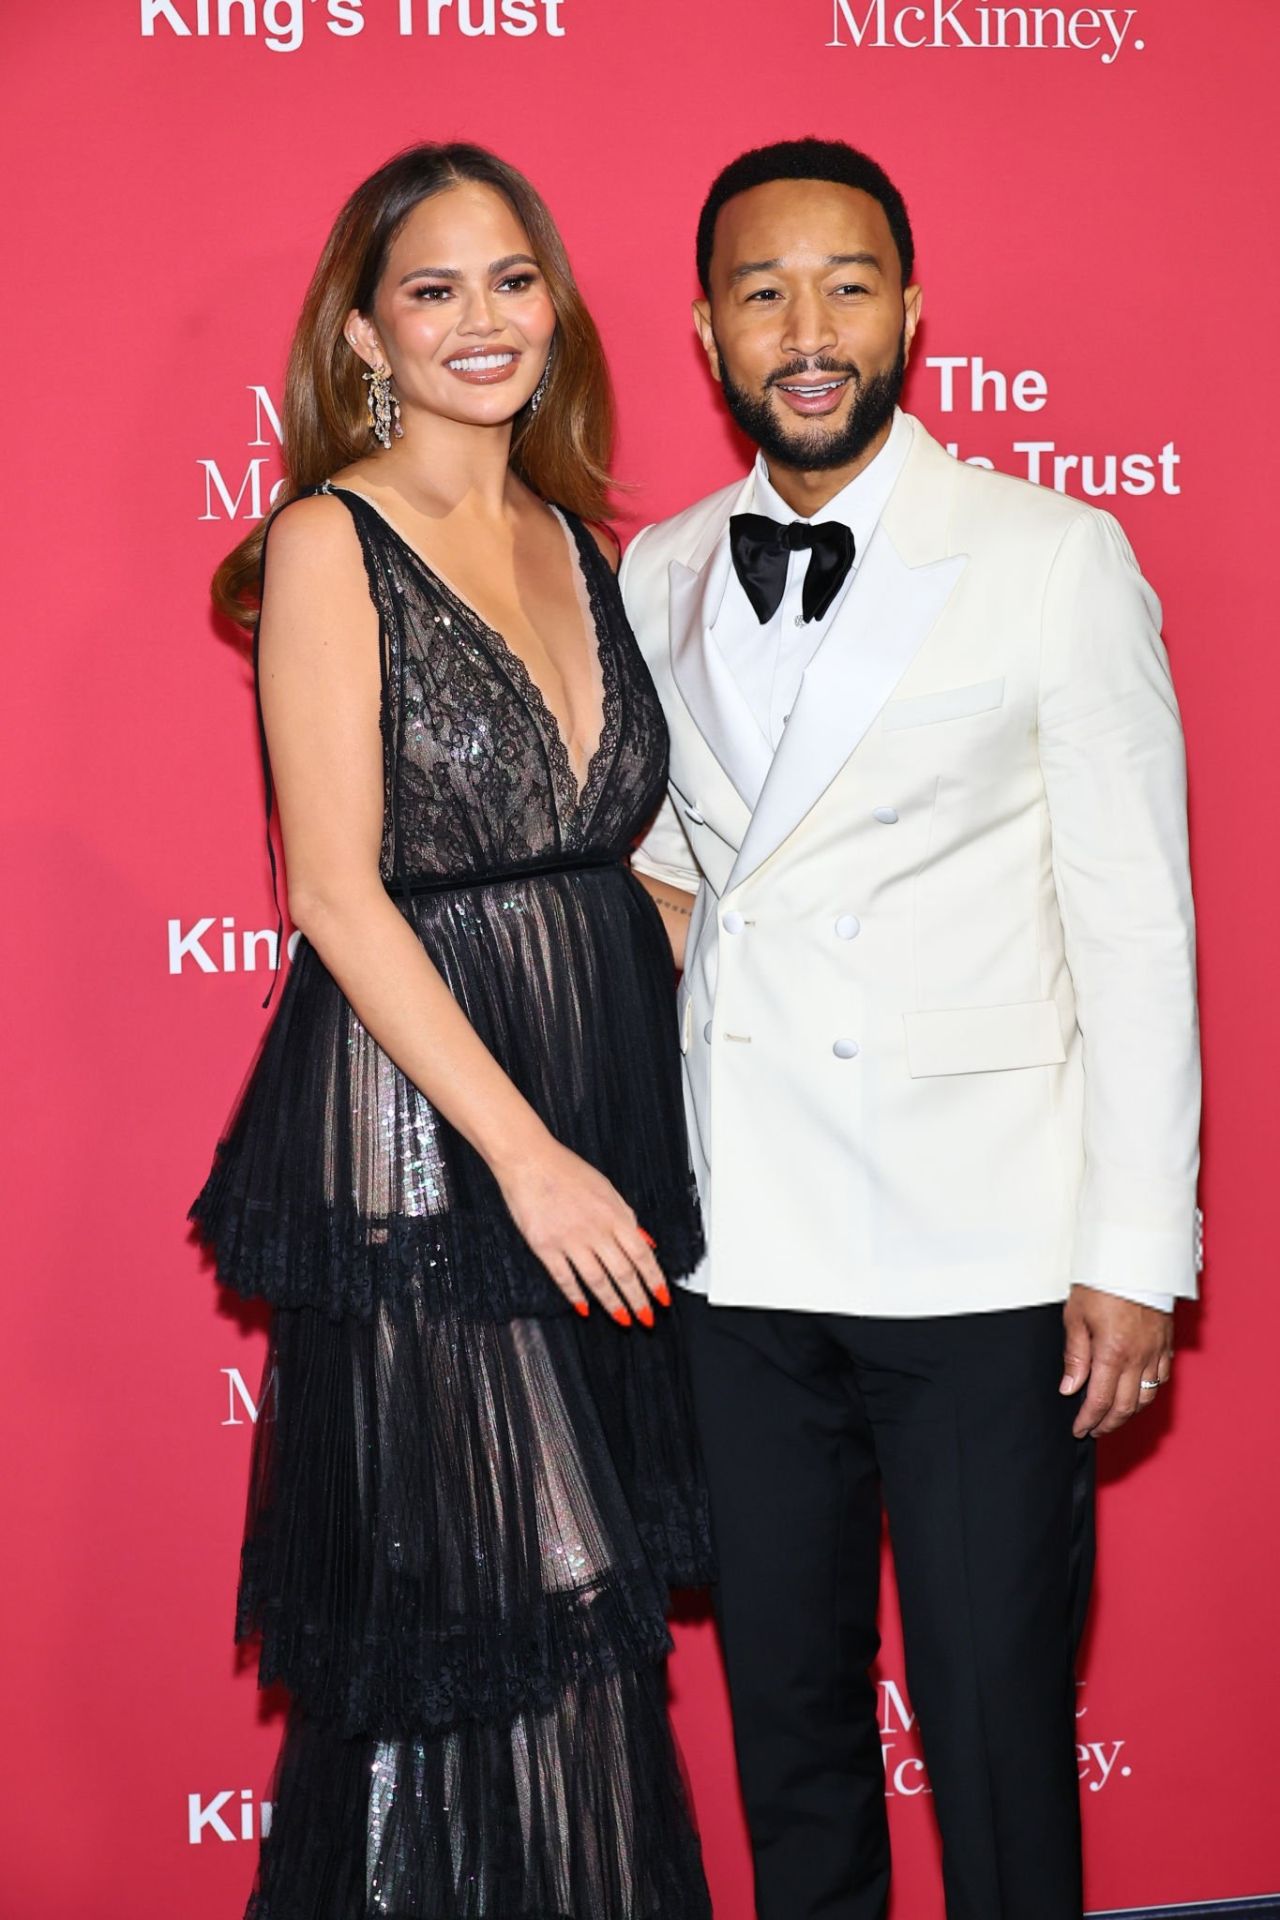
{"x":1115,"y":1345}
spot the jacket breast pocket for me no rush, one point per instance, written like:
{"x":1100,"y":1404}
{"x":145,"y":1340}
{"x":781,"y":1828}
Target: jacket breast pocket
{"x":950,"y":703}
{"x":984,"y":1039}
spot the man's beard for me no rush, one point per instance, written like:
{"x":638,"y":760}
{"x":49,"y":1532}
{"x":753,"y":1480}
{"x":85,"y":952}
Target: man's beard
{"x":816,"y":449}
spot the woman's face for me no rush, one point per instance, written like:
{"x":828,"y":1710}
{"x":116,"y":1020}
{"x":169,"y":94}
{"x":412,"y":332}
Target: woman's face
{"x":462,"y":314}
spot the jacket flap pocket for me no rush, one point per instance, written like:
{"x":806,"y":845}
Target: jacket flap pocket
{"x":952,"y":703}
{"x":983,"y":1039}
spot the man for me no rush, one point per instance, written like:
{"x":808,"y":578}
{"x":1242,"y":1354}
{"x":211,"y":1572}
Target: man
{"x":939,"y":1024}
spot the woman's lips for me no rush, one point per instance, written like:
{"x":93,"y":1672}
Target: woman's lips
{"x":484,"y":369}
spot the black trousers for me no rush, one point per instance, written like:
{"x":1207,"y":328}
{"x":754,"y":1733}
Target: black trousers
{"x":807,"y":1421}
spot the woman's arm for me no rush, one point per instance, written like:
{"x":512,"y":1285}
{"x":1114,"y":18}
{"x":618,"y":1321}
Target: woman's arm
{"x":320,"y":690}
{"x":673,"y":903}
{"x":665,"y":866}
{"x":675,"y":906}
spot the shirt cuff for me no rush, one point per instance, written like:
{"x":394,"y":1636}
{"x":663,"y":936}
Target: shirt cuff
{"x":681,"y":879}
{"x":1162,"y":1302}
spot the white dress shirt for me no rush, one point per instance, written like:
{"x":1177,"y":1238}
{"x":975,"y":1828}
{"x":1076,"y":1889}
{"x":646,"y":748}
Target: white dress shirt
{"x":768,"y":658}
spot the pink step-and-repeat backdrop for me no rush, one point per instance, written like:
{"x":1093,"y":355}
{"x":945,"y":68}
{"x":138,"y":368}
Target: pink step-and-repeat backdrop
{"x":1097,"y":248}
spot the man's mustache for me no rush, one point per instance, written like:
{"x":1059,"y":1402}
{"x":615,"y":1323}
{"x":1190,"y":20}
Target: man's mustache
{"x":797,"y":368}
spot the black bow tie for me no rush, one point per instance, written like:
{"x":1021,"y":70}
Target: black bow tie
{"x":762,"y":547}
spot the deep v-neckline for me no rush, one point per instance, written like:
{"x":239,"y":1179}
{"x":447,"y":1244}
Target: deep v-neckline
{"x":578,"y":794}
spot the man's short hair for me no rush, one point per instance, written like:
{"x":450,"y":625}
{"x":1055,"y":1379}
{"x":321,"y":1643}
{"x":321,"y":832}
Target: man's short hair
{"x":805,"y":160}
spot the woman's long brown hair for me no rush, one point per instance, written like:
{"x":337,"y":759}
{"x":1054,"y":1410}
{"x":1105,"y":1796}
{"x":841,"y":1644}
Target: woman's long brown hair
{"x":562,"y":450}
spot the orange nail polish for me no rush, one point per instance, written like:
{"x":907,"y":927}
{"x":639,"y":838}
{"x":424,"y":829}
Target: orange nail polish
{"x":581,"y":1306}
{"x":645,"y":1316}
{"x":622,"y":1317}
{"x":662,"y":1294}
{"x":648,"y":1238}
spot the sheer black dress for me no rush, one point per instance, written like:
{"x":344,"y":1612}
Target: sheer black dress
{"x":467,"y":1504}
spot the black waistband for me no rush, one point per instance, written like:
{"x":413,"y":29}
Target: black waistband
{"x":502,"y":876}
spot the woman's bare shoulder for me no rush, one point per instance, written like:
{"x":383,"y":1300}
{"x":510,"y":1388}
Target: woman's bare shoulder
{"x":607,"y":541}
{"x":315,"y":529}
{"x":315,"y":590}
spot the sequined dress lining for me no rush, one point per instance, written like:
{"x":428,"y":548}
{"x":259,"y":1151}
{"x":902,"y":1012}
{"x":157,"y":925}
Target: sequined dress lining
{"x":466,"y":1505}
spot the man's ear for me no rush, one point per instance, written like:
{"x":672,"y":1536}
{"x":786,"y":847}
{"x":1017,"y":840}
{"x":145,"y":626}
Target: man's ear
{"x":702,"y":321}
{"x":912,"y":302}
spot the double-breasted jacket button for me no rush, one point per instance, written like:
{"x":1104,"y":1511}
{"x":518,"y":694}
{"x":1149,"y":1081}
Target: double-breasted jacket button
{"x":845,"y":1049}
{"x":887,"y":816}
{"x":691,"y":813}
{"x":707,"y":1032}
{"x":848,"y":926}
{"x":733,"y":921}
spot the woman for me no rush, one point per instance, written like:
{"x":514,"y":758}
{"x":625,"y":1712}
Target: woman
{"x":458,"y":1171}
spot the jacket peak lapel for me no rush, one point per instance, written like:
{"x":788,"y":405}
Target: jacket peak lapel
{"x":701,"y":673}
{"x":892,"y":605}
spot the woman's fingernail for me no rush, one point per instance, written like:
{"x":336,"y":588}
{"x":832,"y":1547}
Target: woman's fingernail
{"x":622,"y":1317}
{"x":645,"y":1316}
{"x":662,"y":1294}
{"x":648,"y":1238}
{"x":581,"y":1306}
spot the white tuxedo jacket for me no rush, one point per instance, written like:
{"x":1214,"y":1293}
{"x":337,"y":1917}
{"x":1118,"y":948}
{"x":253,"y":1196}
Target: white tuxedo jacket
{"x":938,"y":1015}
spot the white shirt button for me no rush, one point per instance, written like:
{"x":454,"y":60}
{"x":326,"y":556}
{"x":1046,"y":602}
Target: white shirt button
{"x":848,"y":926}
{"x":885,"y":815}
{"x":706,"y":1033}
{"x":733,"y":922}
{"x":845,"y":1049}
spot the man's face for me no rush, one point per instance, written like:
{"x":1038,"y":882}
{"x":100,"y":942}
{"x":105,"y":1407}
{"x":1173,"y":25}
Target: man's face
{"x":807,"y":327}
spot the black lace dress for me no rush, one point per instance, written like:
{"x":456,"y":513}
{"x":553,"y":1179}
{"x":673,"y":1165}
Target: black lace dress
{"x":467,"y":1504}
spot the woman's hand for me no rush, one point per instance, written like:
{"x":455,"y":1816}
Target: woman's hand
{"x":584,"y":1233}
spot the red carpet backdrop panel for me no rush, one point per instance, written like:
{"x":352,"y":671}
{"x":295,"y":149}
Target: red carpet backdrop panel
{"x":1095,"y":244}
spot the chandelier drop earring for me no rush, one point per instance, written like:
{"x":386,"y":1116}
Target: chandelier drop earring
{"x":384,"y":408}
{"x":539,"y":393}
